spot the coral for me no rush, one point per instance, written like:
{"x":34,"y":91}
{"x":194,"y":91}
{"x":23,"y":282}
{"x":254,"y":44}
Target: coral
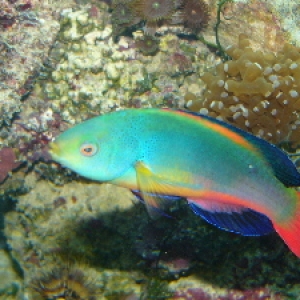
{"x":116,"y":2}
{"x":192,"y":102}
{"x":26,"y":36}
{"x":60,"y":201}
{"x":10,"y":283}
{"x":179,"y":63}
{"x":122,"y":14}
{"x":174,"y":268}
{"x":155,"y":10}
{"x":8,"y":162}
{"x":202,"y":294}
{"x":7,"y":21}
{"x":12,"y":12}
{"x":257,"y":91}
{"x":192,"y":294}
{"x":195,"y":14}
{"x":64,"y":283}
{"x":290,"y":14}
{"x":147,"y":44}
{"x":34,"y":132}
{"x":127,"y":15}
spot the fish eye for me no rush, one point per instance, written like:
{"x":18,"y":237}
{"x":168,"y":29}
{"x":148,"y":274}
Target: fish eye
{"x":88,"y":149}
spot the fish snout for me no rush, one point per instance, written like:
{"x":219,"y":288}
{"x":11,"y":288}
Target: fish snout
{"x":54,"y":149}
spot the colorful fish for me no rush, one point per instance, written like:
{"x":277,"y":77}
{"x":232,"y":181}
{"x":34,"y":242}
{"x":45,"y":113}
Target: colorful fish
{"x":229,"y":177}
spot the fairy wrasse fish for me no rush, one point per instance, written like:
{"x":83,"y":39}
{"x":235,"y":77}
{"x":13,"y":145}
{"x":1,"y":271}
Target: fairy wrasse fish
{"x":229,"y":177}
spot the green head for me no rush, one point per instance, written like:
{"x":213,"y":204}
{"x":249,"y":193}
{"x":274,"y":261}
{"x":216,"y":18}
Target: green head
{"x":100,"y":148}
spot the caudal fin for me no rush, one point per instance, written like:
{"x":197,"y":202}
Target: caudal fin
{"x":290,"y":231}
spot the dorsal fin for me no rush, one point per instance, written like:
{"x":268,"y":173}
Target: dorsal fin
{"x":283,"y":168}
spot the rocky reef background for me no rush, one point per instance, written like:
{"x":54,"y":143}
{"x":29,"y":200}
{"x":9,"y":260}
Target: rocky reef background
{"x":63,"y":237}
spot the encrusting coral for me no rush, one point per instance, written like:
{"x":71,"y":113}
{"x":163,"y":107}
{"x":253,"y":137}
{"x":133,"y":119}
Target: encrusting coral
{"x":8,"y":162}
{"x":256,"y":91}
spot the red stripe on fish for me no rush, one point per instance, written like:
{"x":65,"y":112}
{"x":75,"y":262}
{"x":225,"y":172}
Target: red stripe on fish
{"x":220,"y":202}
{"x":289,"y":231}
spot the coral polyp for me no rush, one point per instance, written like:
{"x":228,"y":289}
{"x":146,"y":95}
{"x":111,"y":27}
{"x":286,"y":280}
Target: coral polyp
{"x":148,"y":44}
{"x":195,"y":14}
{"x":152,"y":14}
{"x":155,"y":10}
{"x":64,"y":283}
{"x":122,"y":14}
{"x":257,"y":91}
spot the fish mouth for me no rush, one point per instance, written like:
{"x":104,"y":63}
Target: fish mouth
{"x":54,"y":150}
{"x":56,"y":154}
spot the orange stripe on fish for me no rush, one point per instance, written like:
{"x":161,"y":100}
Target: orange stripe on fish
{"x":236,"y":138}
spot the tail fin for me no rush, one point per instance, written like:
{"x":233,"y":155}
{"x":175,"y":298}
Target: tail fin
{"x":290,"y":231}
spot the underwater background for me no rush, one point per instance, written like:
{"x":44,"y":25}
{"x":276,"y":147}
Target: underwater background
{"x":62,"y":62}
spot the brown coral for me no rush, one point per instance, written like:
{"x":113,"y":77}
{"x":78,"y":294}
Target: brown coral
{"x":64,"y":283}
{"x":122,"y":14}
{"x":148,"y":44}
{"x":195,"y":14}
{"x":258,"y":92}
{"x":155,"y":10}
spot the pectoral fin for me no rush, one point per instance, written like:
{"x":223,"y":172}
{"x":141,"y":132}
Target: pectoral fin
{"x":153,"y":189}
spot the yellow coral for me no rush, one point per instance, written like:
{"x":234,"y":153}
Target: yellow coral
{"x":256,"y":91}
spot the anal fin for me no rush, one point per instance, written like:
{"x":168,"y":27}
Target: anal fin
{"x":232,"y":217}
